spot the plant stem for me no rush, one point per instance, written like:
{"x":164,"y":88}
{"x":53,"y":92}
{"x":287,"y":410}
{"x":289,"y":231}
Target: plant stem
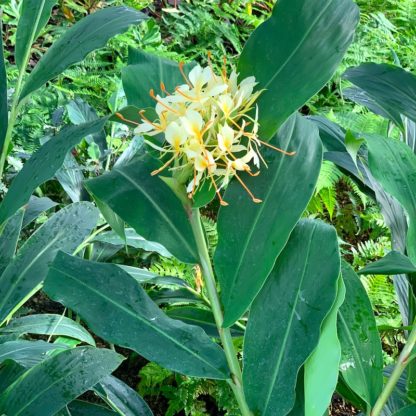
{"x":404,"y":359}
{"x":236,"y":381}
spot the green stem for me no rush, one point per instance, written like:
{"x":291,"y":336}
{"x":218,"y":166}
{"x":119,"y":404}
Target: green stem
{"x":236,"y":381}
{"x":403,"y":361}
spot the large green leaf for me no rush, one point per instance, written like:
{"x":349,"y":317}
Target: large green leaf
{"x":392,"y":88}
{"x":147,"y":204}
{"x":294,"y":53}
{"x":27,"y":353}
{"x":48,"y":324}
{"x":393,"y":164}
{"x":46,"y":388}
{"x":321,"y":368}
{"x":146,"y":71}
{"x":251,"y":235}
{"x":63,"y":231}
{"x":8,"y":239}
{"x":76,"y":43}
{"x":118,"y":310}
{"x":9,"y":372}
{"x":361,"y":358}
{"x":122,"y":398}
{"x":80,"y":408}
{"x":407,"y":411}
{"x":34,"y":14}
{"x":286,"y":317}
{"x":392,"y":263}
{"x":4,"y":115}
{"x":42,"y":166}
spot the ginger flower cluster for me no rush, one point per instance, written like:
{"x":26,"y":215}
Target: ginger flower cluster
{"x":208,"y":129}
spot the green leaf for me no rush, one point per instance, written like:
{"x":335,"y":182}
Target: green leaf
{"x":148,"y":205}
{"x":393,"y":164}
{"x":87,"y":35}
{"x":35,"y":207}
{"x":361,"y":358}
{"x":201,"y":317}
{"x":392,"y":263}
{"x":321,"y":368}
{"x":42,"y":166}
{"x":133,"y":240}
{"x":48,"y":324}
{"x":62,"y":377}
{"x":407,"y":411}
{"x":146,"y":71}
{"x":352,"y":146}
{"x":63,"y":231}
{"x":115,"y":222}
{"x":392,"y":88}
{"x":27,"y":353}
{"x":8,"y":239}
{"x":96,"y":291}
{"x":9,"y":372}
{"x":4,"y":114}
{"x":286,"y":317}
{"x":122,"y":398}
{"x":285,"y":187}
{"x":34,"y":15}
{"x":80,"y":408}
{"x":295,"y":53}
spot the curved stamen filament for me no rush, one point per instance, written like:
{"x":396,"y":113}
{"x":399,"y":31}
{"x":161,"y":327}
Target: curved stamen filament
{"x":155,"y":172}
{"x":121,"y":117}
{"x":222,"y":202}
{"x":181,"y":65}
{"x":163,"y":88}
{"x":276,"y":148}
{"x":152,"y":94}
{"x":148,"y":121}
{"x":255,"y":200}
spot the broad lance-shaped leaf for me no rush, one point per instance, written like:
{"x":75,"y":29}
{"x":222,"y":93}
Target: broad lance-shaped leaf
{"x":33,"y":18}
{"x":42,"y":166}
{"x":35,"y":207}
{"x":146,"y":71}
{"x":9,"y":372}
{"x":322,"y":367}
{"x":4,"y":114}
{"x":295,"y":53}
{"x":27,"y":353}
{"x":122,"y":397}
{"x":81,"y":408}
{"x":62,"y":377}
{"x":8,"y":239}
{"x":118,"y":310}
{"x":63,"y":231}
{"x":48,"y":324}
{"x":247,"y":252}
{"x":393,"y":164}
{"x":407,"y":411}
{"x":90,"y":33}
{"x":148,"y":205}
{"x":286,"y":317}
{"x":392,"y":88}
{"x":361,"y":355}
{"x":392,"y":263}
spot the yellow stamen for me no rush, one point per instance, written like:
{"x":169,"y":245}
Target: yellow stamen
{"x":152,"y":94}
{"x":177,"y":89}
{"x":276,"y":148}
{"x":155,"y":172}
{"x":222,"y":202}
{"x":121,"y":117}
{"x":163,"y":88}
{"x":148,"y":121}
{"x":181,"y":65}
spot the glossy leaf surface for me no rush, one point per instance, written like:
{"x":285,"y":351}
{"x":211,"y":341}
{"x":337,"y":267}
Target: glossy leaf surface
{"x":62,"y":377}
{"x":63,"y":231}
{"x":48,"y":324}
{"x":361,"y":358}
{"x":8,"y":239}
{"x":118,"y":310}
{"x":35,"y":207}
{"x":391,"y":87}
{"x":393,"y":164}
{"x":88,"y":34}
{"x":321,"y":368}
{"x":34,"y":15}
{"x":286,"y":317}
{"x":136,"y":196}
{"x":407,"y":411}
{"x":392,"y":263}
{"x":42,"y":166}
{"x":246,"y":253}
{"x":300,"y":41}
{"x":122,"y":397}
{"x":81,"y":408}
